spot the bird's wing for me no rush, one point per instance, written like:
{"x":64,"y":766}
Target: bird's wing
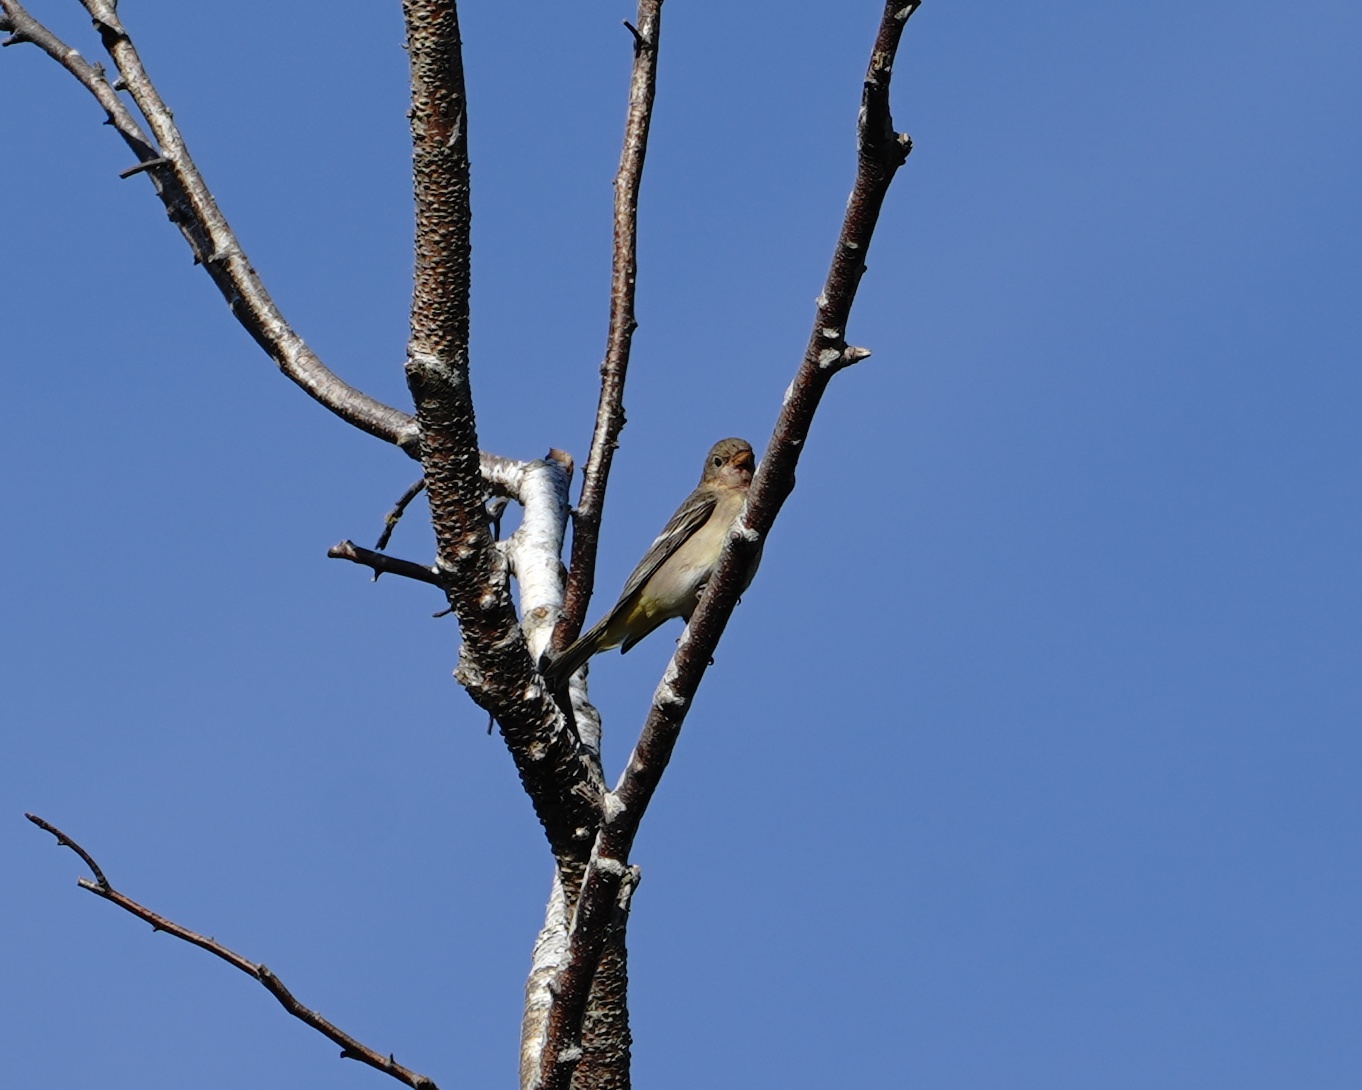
{"x":689,"y":517}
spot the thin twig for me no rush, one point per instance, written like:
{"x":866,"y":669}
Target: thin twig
{"x":393,"y":517}
{"x":147,"y":164}
{"x":586,"y":519}
{"x":382,"y":563}
{"x":351,"y":1049}
{"x":66,"y":842}
{"x":880,"y":152}
{"x":192,"y":208}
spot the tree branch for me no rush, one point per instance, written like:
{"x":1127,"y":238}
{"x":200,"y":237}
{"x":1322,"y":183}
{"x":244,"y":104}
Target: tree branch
{"x":605,"y":1037}
{"x":495,"y":664}
{"x":586,"y":522}
{"x":533,"y":552}
{"x":382,"y":563}
{"x":191,"y":207}
{"x":880,"y":152}
{"x":602,"y":1060}
{"x":533,"y":556}
{"x":550,"y":952}
{"x":556,"y":770}
{"x":351,"y":1049}
{"x":606,"y":1041}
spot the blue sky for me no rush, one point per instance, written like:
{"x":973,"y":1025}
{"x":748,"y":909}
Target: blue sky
{"x":1030,"y":759}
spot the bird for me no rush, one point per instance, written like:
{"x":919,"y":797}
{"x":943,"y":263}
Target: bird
{"x":671,"y":576}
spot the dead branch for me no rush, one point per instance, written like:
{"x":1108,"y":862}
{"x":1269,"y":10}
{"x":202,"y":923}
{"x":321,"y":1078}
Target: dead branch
{"x":351,"y":1049}
{"x":606,"y":1039}
{"x":382,"y":563}
{"x":880,"y":152}
{"x":164,"y":158}
{"x":586,"y":519}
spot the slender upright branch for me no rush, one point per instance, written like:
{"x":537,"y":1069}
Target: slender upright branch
{"x":606,"y":1037}
{"x":880,"y":152}
{"x":495,"y":664}
{"x":351,"y":1049}
{"x":164,"y":158}
{"x":586,"y":521}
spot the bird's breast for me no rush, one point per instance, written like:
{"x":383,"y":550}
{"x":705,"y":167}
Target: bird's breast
{"x":674,"y":588}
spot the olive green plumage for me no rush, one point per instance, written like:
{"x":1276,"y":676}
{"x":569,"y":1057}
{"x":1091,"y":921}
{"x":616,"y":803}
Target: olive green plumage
{"x":669,"y":579}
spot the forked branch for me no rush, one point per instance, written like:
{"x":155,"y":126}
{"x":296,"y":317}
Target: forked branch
{"x":351,"y":1049}
{"x":880,"y":152}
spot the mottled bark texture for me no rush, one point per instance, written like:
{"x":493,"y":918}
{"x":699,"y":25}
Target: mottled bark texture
{"x":494,"y":662}
{"x":606,"y":1040}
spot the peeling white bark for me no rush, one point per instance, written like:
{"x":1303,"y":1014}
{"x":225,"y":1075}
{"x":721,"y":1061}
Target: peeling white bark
{"x":534,"y":551}
{"x":550,"y":949}
{"x":587,"y":717}
{"x":533,"y":554}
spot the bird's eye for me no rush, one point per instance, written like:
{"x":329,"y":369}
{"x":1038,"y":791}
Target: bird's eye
{"x":718,"y":461}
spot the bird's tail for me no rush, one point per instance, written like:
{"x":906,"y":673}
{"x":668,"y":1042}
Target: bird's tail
{"x":574,"y":658}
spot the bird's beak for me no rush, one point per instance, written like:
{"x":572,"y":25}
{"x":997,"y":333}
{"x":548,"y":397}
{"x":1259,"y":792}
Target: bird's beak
{"x":744,"y":460}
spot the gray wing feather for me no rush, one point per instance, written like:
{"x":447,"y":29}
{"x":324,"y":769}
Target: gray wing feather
{"x":689,"y":517}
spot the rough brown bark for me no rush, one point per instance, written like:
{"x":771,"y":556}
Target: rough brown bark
{"x":606,"y":1040}
{"x":494,"y":662}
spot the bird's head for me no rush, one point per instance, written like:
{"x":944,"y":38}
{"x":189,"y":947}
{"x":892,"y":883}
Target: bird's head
{"x":729,"y":463}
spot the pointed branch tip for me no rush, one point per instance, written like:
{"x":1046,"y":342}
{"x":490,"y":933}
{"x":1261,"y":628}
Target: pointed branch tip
{"x":383,"y":563}
{"x":100,"y":882}
{"x":147,"y":164}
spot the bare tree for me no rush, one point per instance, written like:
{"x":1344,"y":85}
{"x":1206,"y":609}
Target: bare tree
{"x":575,"y":1030}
